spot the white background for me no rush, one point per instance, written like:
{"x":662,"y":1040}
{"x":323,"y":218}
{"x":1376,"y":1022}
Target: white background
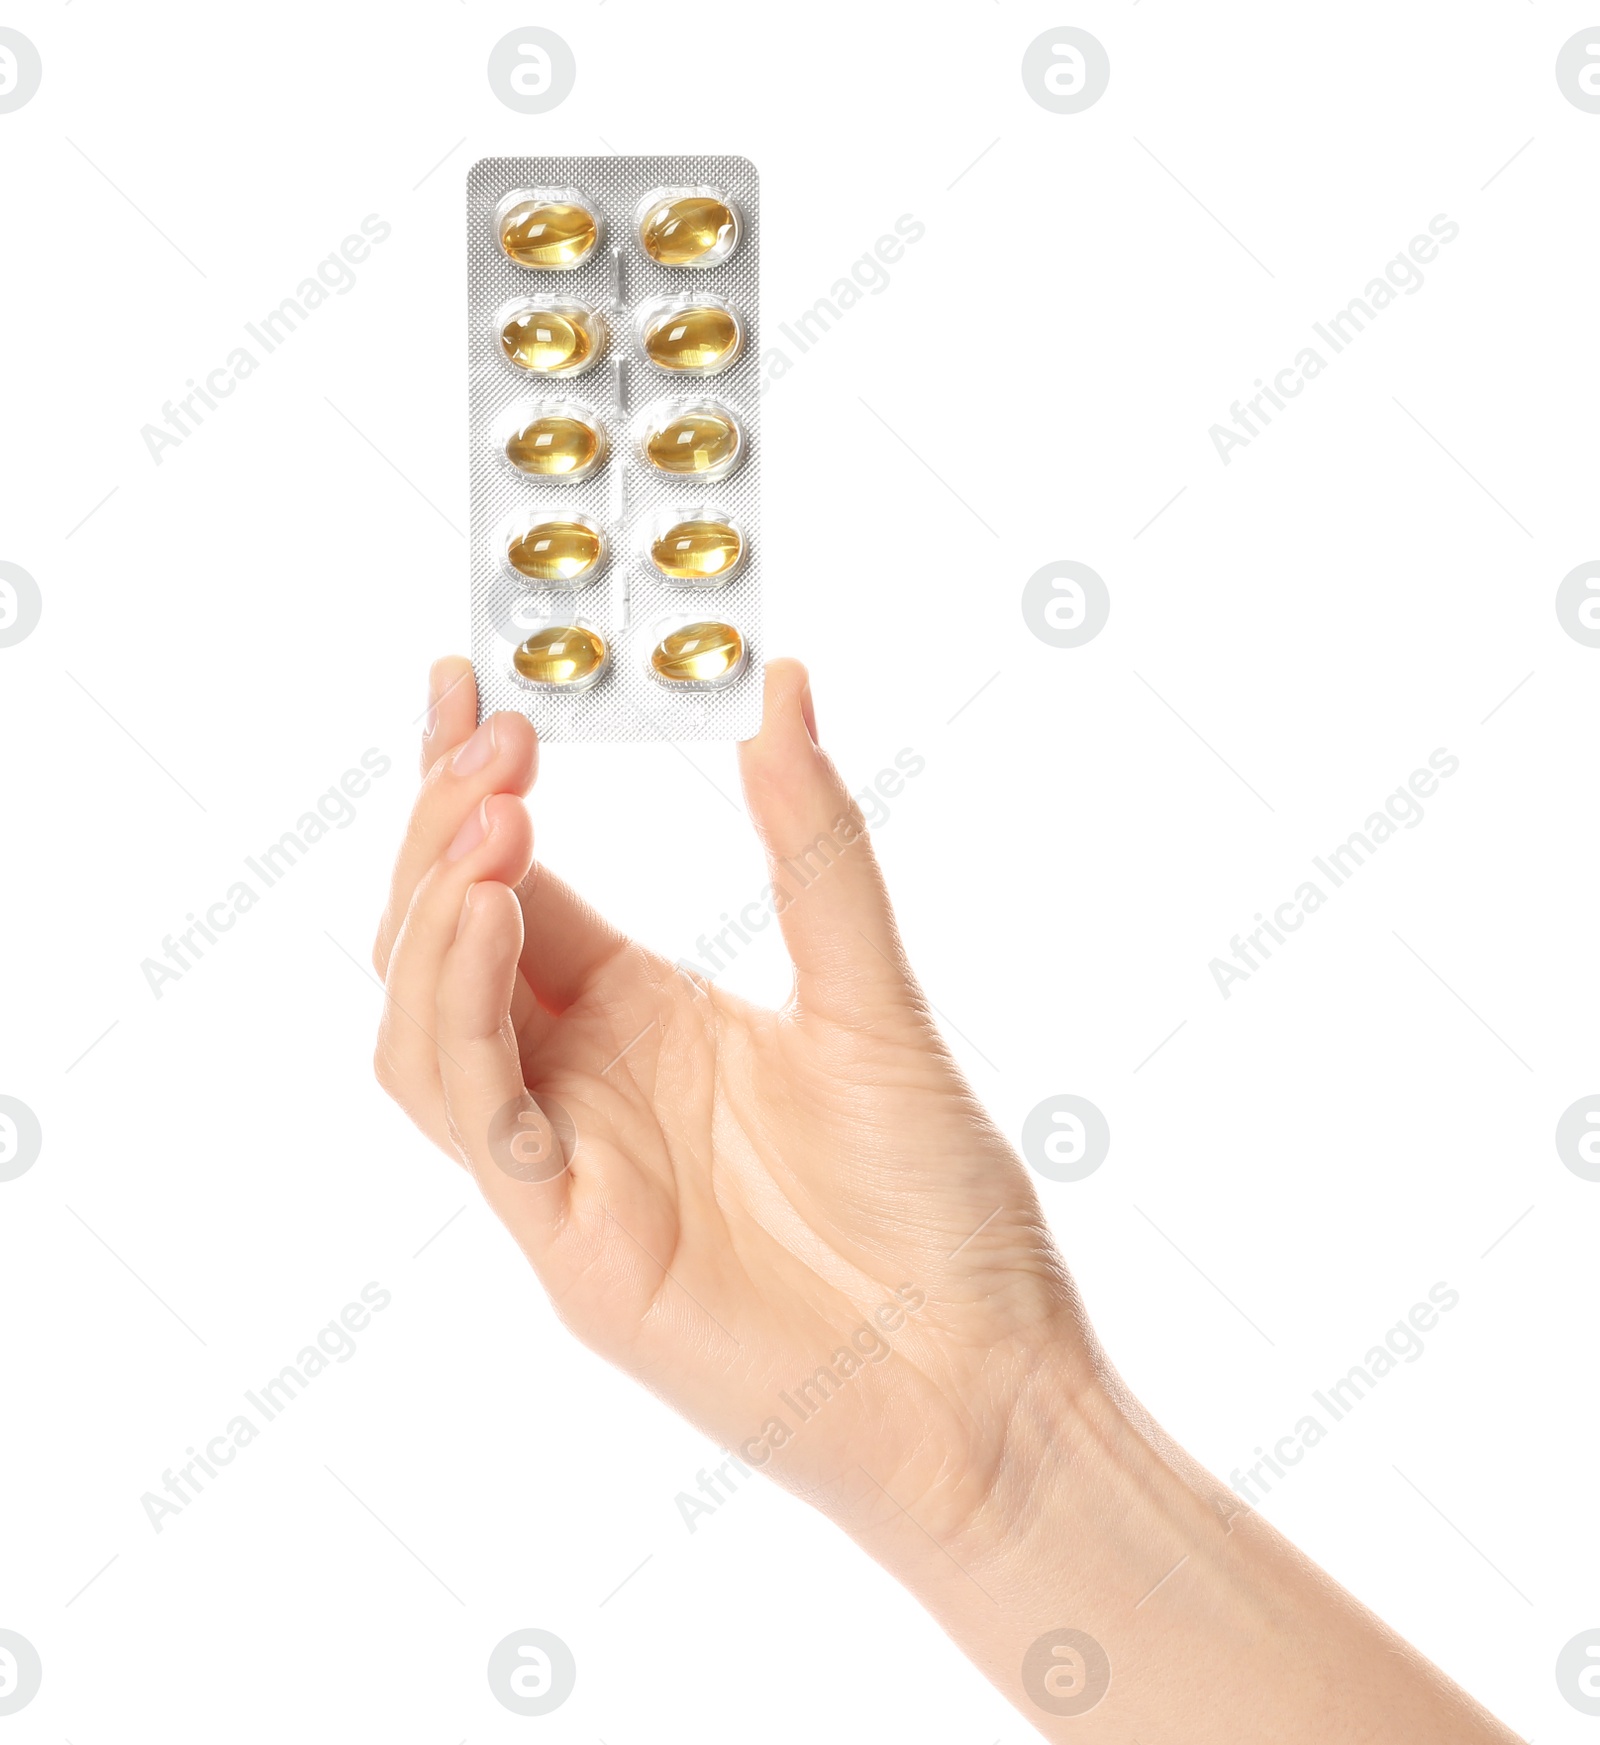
{"x":226,"y":633}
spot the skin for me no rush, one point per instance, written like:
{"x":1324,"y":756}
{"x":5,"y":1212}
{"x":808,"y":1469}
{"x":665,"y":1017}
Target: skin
{"x":724,"y":1201}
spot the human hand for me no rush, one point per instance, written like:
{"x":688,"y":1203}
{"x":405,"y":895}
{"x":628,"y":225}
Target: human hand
{"x":801,"y":1230}
{"x":797,"y":1227}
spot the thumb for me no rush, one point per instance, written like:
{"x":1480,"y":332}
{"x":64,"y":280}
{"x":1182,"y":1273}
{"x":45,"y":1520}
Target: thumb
{"x":828,"y":892}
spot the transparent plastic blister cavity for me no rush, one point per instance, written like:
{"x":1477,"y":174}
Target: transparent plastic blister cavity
{"x":615,"y":457}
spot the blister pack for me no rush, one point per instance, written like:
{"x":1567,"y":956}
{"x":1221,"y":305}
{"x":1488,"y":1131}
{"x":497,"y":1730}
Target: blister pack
{"x":613,"y":395}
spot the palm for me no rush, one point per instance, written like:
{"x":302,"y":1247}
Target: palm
{"x":729,"y":1224}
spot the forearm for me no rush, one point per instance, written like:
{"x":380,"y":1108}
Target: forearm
{"x":1212,"y":1627}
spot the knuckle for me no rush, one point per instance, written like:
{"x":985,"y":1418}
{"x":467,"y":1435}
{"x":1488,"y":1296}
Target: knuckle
{"x":437,"y":775}
{"x":384,"y":1069}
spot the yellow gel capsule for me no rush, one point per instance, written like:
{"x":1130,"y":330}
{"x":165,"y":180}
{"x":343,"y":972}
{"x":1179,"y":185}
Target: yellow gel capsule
{"x":550,"y":341}
{"x":692,"y":442}
{"x":698,"y":338}
{"x":696,"y":551}
{"x":548,"y":233}
{"x":554,"y":445}
{"x":683,"y":230}
{"x":561,"y":654}
{"x":555,"y":551}
{"x":698,"y":654}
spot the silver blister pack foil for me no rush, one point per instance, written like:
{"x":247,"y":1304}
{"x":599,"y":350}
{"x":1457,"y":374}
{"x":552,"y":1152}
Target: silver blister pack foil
{"x":630,"y":604}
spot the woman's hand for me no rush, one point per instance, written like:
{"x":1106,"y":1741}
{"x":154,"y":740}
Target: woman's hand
{"x":798,"y":1227}
{"x":801,"y":1230}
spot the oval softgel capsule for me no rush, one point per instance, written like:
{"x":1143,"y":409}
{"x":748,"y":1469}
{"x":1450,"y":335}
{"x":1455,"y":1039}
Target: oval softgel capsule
{"x":560,"y":657}
{"x":700,"y":548}
{"x":552,"y":228}
{"x":691,"y":441}
{"x":688,"y":227}
{"x":697,"y":336}
{"x":557,"y":550}
{"x":550,"y":339}
{"x":699,"y":655}
{"x":555,"y":442}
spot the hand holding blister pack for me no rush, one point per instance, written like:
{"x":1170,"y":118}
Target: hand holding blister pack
{"x":615,"y":464}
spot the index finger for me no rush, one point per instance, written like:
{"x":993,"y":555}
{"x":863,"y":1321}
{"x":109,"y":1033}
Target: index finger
{"x":462,"y":764}
{"x":452,"y":708}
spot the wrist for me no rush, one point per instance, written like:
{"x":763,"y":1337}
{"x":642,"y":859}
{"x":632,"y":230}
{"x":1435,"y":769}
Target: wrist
{"x":1087,"y":1471}
{"x":1048,"y":1572}
{"x":1029,"y":1454}
{"x":1112,"y":1588}
{"x":1086,"y":1497}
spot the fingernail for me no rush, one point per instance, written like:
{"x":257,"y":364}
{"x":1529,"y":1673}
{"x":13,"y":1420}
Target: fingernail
{"x":477,"y":751}
{"x":471,"y":833}
{"x":434,"y":693}
{"x":808,"y":711}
